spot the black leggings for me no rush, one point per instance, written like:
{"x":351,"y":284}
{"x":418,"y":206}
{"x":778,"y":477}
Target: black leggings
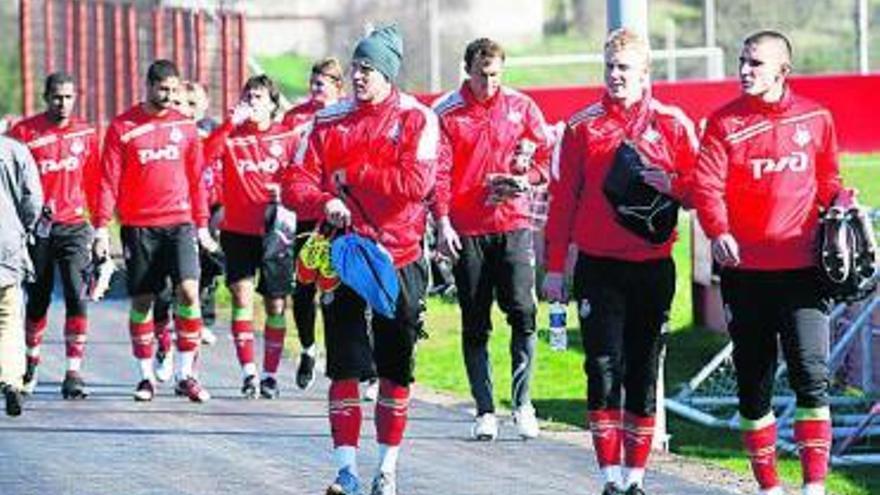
{"x":771,"y":308}
{"x":623,"y":307}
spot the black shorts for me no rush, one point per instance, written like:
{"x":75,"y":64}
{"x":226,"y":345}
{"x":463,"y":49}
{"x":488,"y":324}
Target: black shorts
{"x":154,"y":253}
{"x":392,"y":353}
{"x":244,"y":256}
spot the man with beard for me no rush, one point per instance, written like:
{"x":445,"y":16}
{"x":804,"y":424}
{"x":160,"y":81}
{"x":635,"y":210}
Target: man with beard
{"x":151,"y":174}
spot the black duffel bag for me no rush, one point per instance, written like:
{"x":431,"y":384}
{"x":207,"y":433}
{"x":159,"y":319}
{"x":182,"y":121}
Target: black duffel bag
{"x":639,"y":207}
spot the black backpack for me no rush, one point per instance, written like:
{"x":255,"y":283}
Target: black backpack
{"x":639,"y":207}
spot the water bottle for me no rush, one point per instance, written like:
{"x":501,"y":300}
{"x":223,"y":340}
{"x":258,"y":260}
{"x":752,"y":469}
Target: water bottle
{"x":558,"y":328}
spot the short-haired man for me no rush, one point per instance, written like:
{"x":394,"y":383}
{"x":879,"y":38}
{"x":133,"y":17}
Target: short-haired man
{"x":66,"y":152}
{"x":254,"y":152}
{"x":370,"y":163}
{"x":21,"y":199}
{"x":483,"y":222}
{"x":623,"y":282}
{"x":768,"y":164}
{"x":325,"y":89}
{"x":151,"y":174}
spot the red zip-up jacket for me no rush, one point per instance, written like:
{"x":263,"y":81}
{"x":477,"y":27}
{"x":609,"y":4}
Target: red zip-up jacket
{"x":151,"y":169}
{"x":482,"y":138}
{"x":764,"y":170}
{"x":250,"y":159}
{"x":579,"y":211}
{"x":389,"y":154}
{"x":67,"y":158}
{"x":300,"y":119}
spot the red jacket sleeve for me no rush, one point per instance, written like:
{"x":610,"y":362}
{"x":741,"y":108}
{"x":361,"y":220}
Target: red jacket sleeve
{"x":92,"y":175}
{"x":537,"y":131}
{"x":216,"y":141}
{"x":709,"y":182}
{"x":443,"y":182}
{"x":110,"y":174}
{"x":198,"y":197}
{"x":564,"y":197}
{"x":18,"y":132}
{"x":828,"y":180}
{"x":415,"y":174}
{"x":685,"y":150}
{"x":301,"y":188}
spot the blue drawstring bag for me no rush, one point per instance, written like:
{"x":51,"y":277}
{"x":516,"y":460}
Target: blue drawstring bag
{"x":366,"y":267}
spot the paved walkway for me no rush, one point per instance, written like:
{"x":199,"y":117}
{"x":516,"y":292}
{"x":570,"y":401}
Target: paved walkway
{"x":109,"y":444}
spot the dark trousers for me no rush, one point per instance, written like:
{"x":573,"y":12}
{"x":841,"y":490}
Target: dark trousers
{"x":351,"y":355}
{"x":622,"y":308}
{"x":771,"y":308}
{"x":497,"y":266}
{"x":68,"y":247}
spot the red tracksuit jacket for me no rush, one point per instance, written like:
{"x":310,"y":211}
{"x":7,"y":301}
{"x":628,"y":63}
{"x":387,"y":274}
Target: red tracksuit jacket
{"x":764,"y":170}
{"x":250,"y":159}
{"x":389,"y":154}
{"x":67,"y":158}
{"x":152,"y":169}
{"x":300,"y":119}
{"x":579,"y":211}
{"x":482,"y":138}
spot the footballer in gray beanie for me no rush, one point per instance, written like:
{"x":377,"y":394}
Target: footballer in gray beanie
{"x":382,"y":48}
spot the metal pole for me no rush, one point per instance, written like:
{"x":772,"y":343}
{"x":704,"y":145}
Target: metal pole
{"x":49,"y":35}
{"x":27,"y":77}
{"x":863,"y":36}
{"x":671,"y":61}
{"x":434,"y":44}
{"x":632,"y":14}
{"x":133,"y":69}
{"x":100,"y":69}
{"x":118,"y":60}
{"x":82,"y":36}
{"x":709,"y":15}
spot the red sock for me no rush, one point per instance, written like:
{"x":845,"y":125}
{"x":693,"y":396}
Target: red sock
{"x":189,"y":333}
{"x":273,"y":346}
{"x":761,"y":447}
{"x":638,"y":434}
{"x":813,"y":437}
{"x":34,"y":331}
{"x":392,"y":407}
{"x":243,"y":338}
{"x":605,"y":426}
{"x":162,"y":330}
{"x":345,"y":413}
{"x":75,"y":336}
{"x":141,"y":339}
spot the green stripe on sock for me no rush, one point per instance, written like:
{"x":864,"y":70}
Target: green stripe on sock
{"x":136,"y":316}
{"x":275,"y":321}
{"x":239,"y":314}
{"x":756,"y":424}
{"x":189,"y":312}
{"x":808,"y":413}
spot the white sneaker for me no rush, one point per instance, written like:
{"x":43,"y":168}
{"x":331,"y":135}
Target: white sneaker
{"x":208,"y":337}
{"x":485,"y":427}
{"x":164,"y":365}
{"x":526,"y":422}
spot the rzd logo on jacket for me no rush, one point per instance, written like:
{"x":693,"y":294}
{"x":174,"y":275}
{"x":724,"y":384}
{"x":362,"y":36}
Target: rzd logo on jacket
{"x":796,"y":162}
{"x":170,"y":152}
